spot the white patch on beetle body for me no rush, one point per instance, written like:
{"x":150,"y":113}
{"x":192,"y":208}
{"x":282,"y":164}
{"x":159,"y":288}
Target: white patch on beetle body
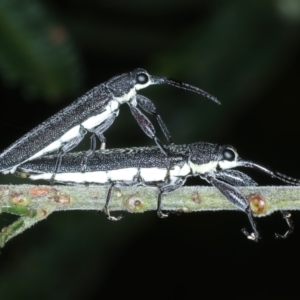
{"x":105,"y":177}
{"x":203,"y":168}
{"x":68,"y":136}
{"x":79,"y":177}
{"x":50,"y":148}
{"x":94,"y":121}
{"x":225,"y":164}
{"x":142,"y":86}
{"x":153,"y":174}
{"x":126,"y":97}
{"x":98,"y":177}
{"x":132,"y":93}
{"x":122,"y":174}
{"x":180,"y":171}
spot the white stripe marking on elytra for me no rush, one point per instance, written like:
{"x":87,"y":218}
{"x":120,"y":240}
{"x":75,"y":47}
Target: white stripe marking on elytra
{"x":204,"y":168}
{"x":90,"y":123}
{"x":122,"y":174}
{"x":180,"y":171}
{"x":153,"y":174}
{"x":100,"y":177}
{"x":104,"y":177}
{"x":74,"y":132}
{"x":94,"y":121}
{"x":126,"y":175}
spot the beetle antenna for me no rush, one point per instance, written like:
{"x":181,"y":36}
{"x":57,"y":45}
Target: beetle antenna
{"x":280,"y":176}
{"x":184,"y":86}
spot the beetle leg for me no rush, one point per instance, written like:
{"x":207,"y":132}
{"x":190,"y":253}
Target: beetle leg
{"x":235,"y":178}
{"x":66,"y":148}
{"x":237,"y":199}
{"x":106,"y":206}
{"x":172,"y":185}
{"x":159,"y":211}
{"x":98,"y":131}
{"x":88,"y":153}
{"x":149,"y":107}
{"x":287,"y":216}
{"x":147,"y":127}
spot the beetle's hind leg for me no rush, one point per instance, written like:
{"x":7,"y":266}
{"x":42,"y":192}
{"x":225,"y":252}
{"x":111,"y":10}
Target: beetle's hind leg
{"x":66,"y":148}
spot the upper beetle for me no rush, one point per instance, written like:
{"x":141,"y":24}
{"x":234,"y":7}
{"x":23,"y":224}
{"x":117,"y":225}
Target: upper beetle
{"x":93,"y":112}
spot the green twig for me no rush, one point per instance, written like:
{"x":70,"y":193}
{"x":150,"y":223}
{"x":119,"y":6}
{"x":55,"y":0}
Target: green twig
{"x":34,"y":203}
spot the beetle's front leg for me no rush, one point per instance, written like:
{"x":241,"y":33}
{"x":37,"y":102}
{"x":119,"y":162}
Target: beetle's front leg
{"x":149,"y":107}
{"x":147,"y":127}
{"x":237,"y":199}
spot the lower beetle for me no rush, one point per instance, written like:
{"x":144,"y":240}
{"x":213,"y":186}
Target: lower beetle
{"x":148,"y":166}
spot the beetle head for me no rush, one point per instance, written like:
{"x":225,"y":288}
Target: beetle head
{"x":129,"y":83}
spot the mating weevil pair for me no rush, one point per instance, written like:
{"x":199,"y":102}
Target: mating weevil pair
{"x":149,"y":166}
{"x":164,"y":167}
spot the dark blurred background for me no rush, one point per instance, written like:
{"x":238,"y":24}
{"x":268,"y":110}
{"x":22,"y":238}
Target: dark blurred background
{"x":246,"y":53}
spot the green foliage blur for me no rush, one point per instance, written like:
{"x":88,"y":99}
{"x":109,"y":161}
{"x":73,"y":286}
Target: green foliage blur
{"x":246,"y":53}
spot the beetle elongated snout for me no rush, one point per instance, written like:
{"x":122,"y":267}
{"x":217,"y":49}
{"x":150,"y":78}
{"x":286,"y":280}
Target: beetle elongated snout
{"x":182,"y":85}
{"x":280,"y":176}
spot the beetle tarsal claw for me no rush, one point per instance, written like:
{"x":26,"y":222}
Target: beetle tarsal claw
{"x":161,"y":214}
{"x":111,"y":218}
{"x":250,"y":236}
{"x":287,"y":216}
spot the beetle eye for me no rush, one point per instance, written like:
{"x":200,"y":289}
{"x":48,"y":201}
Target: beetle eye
{"x":142,"y":78}
{"x":228,"y":154}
